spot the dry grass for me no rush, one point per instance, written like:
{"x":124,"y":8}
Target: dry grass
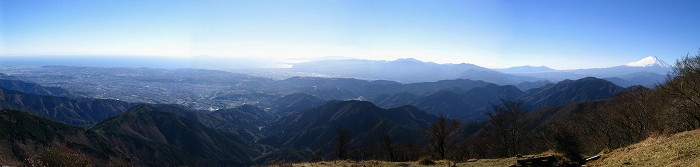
{"x":373,"y":163}
{"x":489,"y":162}
{"x":682,"y":149}
{"x":8,"y":161}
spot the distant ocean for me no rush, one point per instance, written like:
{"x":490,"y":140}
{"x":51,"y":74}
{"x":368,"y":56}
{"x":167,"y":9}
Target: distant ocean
{"x":95,"y":61}
{"x":134,"y":62}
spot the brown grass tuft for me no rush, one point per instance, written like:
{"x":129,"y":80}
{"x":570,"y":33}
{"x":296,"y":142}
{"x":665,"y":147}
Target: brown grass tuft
{"x":426,"y":161}
{"x":682,"y":149}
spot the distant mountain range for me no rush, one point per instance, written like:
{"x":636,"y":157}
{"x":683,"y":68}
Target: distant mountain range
{"x":405,"y":70}
{"x":647,"y":71}
{"x":647,"y":64}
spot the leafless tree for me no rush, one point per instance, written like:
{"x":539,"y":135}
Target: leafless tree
{"x":682,"y":90}
{"x":509,"y":126}
{"x":442,"y":132}
{"x":387,"y":147}
{"x":342,"y":142}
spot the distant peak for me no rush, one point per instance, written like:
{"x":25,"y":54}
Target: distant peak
{"x":408,"y":60}
{"x":648,"y":62}
{"x":526,"y":69}
{"x":529,"y":66}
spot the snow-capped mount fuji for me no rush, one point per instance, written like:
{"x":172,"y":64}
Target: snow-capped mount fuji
{"x":649,"y":62}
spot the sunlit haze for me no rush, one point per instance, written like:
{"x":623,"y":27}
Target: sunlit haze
{"x":495,"y":34}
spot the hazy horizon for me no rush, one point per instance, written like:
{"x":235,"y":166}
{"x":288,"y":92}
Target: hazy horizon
{"x":493,"y":34}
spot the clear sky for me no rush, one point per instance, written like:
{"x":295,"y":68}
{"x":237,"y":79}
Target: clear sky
{"x":562,"y":34}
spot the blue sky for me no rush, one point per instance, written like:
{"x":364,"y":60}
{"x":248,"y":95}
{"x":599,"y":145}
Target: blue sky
{"x":559,"y":34}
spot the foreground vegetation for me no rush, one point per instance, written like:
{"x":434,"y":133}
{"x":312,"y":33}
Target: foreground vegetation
{"x":347,"y":163}
{"x":681,"y":149}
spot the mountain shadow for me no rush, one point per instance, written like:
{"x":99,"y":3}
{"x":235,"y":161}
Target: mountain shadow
{"x":571,"y":91}
{"x":295,"y":102}
{"x":72,"y":111}
{"x":140,"y":137}
{"x":153,"y":137}
{"x":315,"y":128}
{"x":467,"y":105}
{"x":33,"y":88}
